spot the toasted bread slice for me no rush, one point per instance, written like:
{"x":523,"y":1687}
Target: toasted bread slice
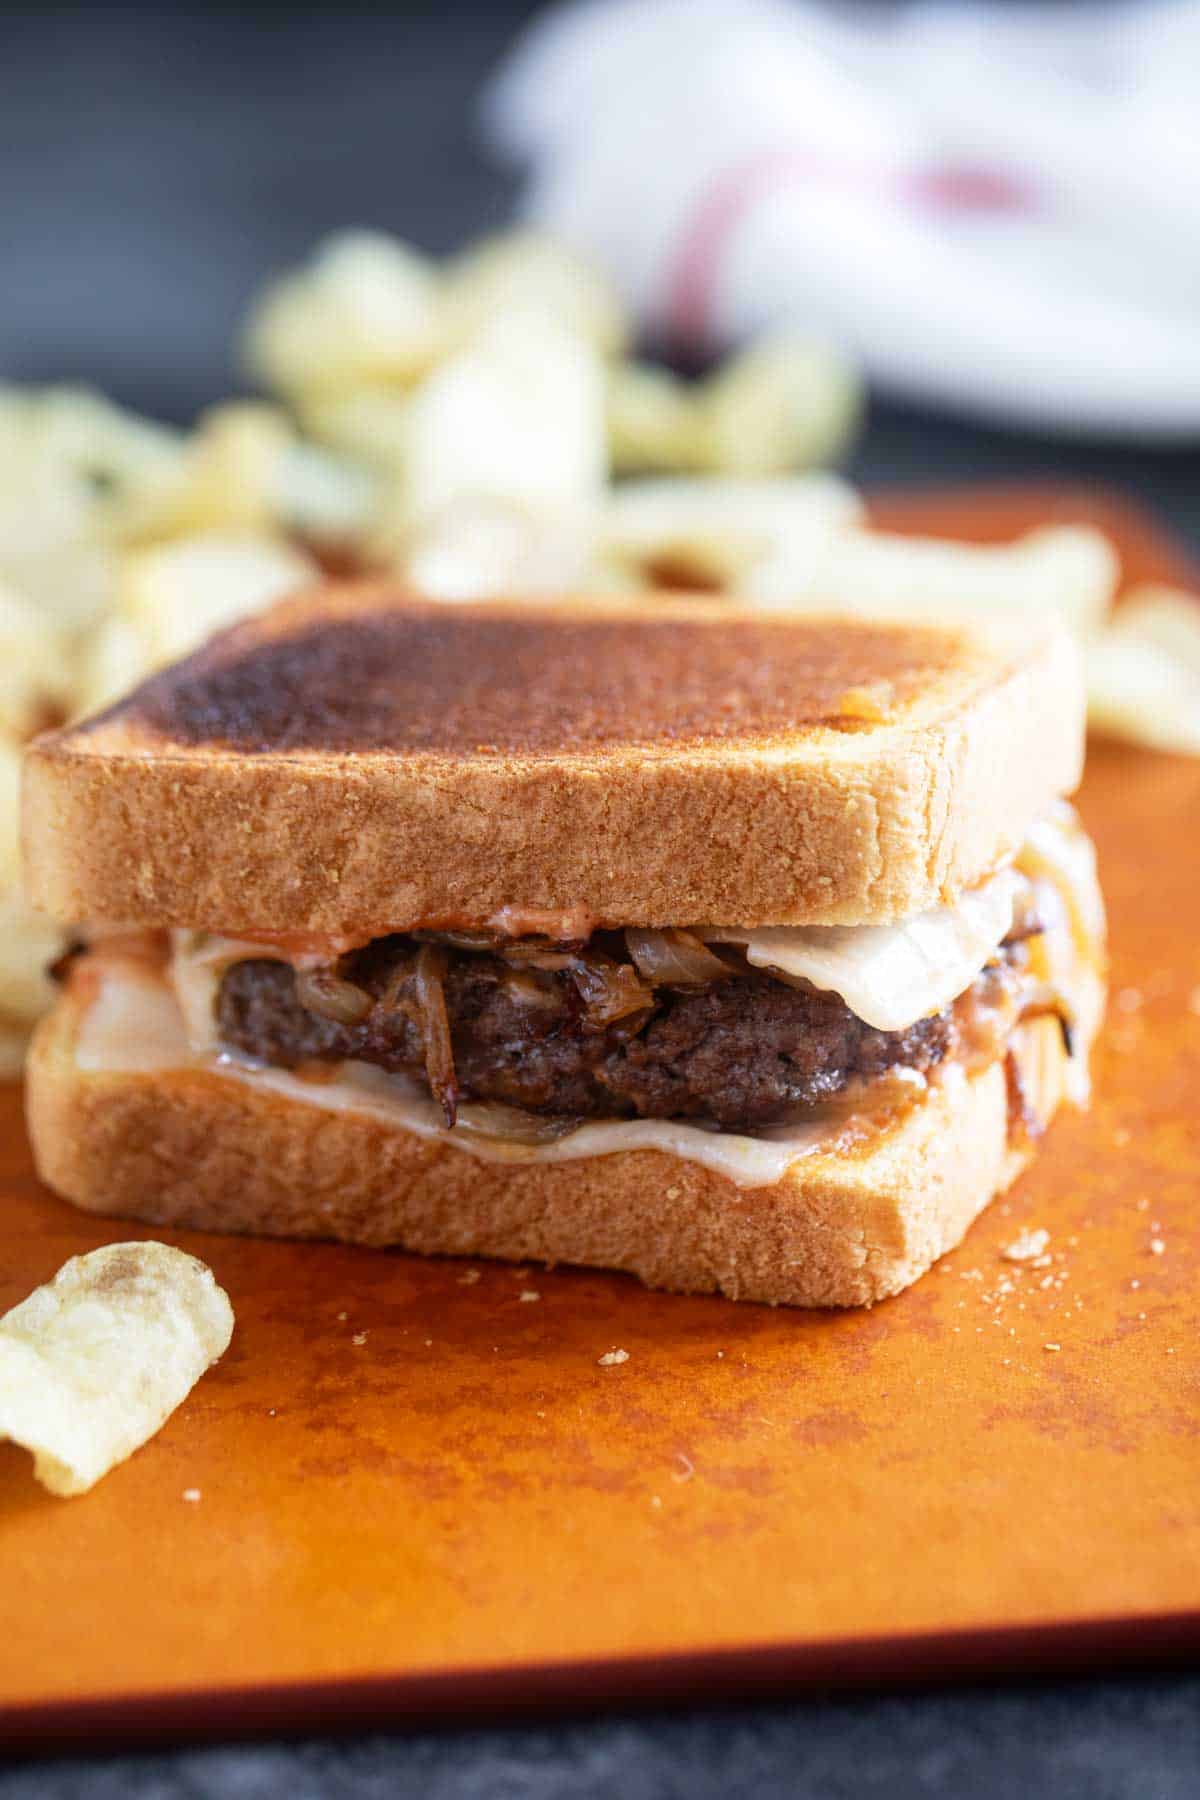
{"x":358,"y":761}
{"x":220,"y":1151}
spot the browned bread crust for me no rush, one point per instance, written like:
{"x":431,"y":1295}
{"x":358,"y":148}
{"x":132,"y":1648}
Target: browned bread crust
{"x":191,"y":1148}
{"x":358,"y":761}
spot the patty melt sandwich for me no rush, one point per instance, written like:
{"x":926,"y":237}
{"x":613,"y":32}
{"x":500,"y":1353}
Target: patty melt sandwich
{"x":744,"y":951}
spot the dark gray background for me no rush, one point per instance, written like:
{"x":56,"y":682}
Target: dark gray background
{"x":155,"y":164}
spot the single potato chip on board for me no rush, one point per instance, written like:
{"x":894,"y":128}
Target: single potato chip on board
{"x":92,"y":1364}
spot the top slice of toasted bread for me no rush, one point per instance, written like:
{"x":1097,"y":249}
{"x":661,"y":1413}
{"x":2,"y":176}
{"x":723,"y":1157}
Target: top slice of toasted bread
{"x":358,"y":760}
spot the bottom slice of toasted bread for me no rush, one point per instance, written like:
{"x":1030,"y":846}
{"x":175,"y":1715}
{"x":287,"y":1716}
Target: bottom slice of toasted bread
{"x":194,"y":1148}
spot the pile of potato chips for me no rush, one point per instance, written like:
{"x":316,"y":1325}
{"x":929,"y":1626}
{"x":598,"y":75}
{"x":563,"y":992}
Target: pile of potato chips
{"x":460,"y":425}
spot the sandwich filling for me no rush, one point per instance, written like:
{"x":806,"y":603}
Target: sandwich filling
{"x":765,"y":1041}
{"x":567,"y":1032}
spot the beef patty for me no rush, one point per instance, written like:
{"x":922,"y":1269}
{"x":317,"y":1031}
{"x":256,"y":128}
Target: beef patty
{"x":745,"y":1052}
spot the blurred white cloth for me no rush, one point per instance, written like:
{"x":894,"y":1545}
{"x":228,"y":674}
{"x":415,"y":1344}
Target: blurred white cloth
{"x":997,"y":208}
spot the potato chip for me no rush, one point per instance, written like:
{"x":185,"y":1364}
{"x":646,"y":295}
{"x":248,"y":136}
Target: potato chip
{"x":28,"y":940}
{"x":74,"y":474}
{"x":518,"y":416}
{"x":1144,"y":673}
{"x":714,"y":534}
{"x":325,"y":497}
{"x":114,"y":657}
{"x":10,"y":811}
{"x":783,"y":403}
{"x":94,"y":1363}
{"x":29,"y":943}
{"x":475,"y":548}
{"x":231,"y":475}
{"x":175,"y":595}
{"x":365,"y":309}
{"x":654,"y":421}
{"x":34,"y":678}
{"x":78,"y":454}
{"x":370,"y":424}
{"x":72,"y":582}
{"x":1068,"y":570}
{"x":523,"y":272}
{"x":14,"y":1042}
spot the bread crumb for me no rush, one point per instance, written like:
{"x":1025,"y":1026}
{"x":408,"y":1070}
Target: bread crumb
{"x":468,"y":1278}
{"x":360,"y":1337}
{"x":1027,"y":1246}
{"x":1135,"y":1283}
{"x":1157,"y":1246}
{"x":656,"y":1499}
{"x":528,"y":1294}
{"x":1194,"y":1000}
{"x":686,"y":1470}
{"x":1129,"y":1000}
{"x":1143,"y":1205}
{"x":1051,"y":1346}
{"x":612,"y":1357}
{"x":342,"y":1317}
{"x":428,"y":1342}
{"x":191,"y":1495}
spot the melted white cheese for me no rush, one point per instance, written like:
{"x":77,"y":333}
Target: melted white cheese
{"x":891,"y":975}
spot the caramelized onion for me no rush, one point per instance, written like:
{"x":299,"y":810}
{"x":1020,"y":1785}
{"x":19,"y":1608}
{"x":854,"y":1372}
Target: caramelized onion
{"x":537,"y":953}
{"x":609,"y":990}
{"x":524,"y":989}
{"x":512,"y":1124}
{"x":322,"y":992}
{"x":675,"y":959}
{"x":435,"y":1029}
{"x":460,"y":940}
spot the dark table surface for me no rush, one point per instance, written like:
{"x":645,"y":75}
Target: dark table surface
{"x":156,"y":162}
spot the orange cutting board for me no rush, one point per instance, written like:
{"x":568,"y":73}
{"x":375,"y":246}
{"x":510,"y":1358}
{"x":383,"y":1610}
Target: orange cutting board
{"x":421,"y":1492}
